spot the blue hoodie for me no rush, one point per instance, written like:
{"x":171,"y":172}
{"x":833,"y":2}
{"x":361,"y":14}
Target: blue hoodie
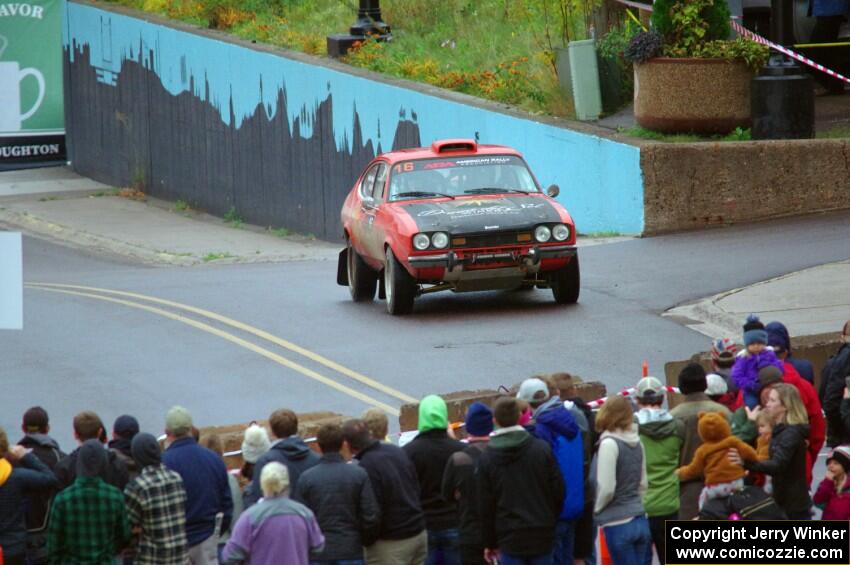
{"x":556,"y":426}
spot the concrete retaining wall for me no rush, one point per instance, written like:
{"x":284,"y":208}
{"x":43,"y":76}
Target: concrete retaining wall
{"x":281,"y":137}
{"x":694,"y":185}
{"x":458,"y":402}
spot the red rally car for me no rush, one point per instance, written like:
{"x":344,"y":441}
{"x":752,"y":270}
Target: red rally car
{"x":454,"y":216}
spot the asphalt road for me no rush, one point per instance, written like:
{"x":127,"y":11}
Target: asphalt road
{"x":123,"y":354}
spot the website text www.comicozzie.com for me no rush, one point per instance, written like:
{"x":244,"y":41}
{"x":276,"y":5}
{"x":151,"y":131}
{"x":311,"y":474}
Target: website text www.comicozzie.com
{"x":789,"y":554}
{"x":758,"y":542}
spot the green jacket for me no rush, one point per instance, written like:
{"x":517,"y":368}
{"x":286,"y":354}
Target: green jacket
{"x":662,"y":437}
{"x":743,"y":427}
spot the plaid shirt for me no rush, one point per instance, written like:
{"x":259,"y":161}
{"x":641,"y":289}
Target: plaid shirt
{"x":156,"y":503}
{"x":88,"y":524}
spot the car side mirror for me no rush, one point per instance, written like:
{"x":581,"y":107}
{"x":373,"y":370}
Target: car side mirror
{"x":368,"y":202}
{"x":553,"y":191}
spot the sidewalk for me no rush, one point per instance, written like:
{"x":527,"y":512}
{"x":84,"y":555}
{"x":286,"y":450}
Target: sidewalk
{"x":58,"y":205}
{"x":808,"y":302}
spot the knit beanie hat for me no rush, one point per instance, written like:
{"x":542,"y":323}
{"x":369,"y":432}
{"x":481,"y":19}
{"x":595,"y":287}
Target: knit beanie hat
{"x":126,"y":427}
{"x":777,"y":336}
{"x":479,"y":420}
{"x":754,"y":331}
{"x":716,"y":385}
{"x":723,"y":348}
{"x":91,"y":459}
{"x":255,"y":444}
{"x":769,"y":375}
{"x":692,"y":379}
{"x":145,"y":450}
{"x":841,"y":455}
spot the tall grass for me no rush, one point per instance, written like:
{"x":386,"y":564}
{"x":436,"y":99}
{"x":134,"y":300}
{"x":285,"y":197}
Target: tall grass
{"x":501,"y":50}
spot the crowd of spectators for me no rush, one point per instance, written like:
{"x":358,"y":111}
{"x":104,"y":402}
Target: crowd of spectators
{"x":536,"y":478}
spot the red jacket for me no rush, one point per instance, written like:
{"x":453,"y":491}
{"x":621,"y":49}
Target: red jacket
{"x":835,"y":505}
{"x":817,"y":422}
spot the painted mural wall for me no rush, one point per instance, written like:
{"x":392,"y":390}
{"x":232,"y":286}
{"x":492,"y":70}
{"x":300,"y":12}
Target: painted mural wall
{"x":281,"y":141}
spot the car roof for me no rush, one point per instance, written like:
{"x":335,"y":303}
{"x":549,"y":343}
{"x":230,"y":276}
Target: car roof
{"x":448,"y":148}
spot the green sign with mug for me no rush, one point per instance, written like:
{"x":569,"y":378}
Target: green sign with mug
{"x":32,"y":116}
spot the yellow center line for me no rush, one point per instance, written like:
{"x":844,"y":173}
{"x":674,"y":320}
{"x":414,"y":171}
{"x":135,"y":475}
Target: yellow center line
{"x":240,"y":342}
{"x":248,"y":329}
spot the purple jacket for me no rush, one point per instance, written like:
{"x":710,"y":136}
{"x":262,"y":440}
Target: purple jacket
{"x":745,"y":371}
{"x":275,"y":530}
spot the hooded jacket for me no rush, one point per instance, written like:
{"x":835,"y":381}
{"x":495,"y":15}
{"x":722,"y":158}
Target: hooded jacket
{"x":520,"y":493}
{"x":114,"y":473}
{"x":429,"y":452}
{"x":291,"y":452}
{"x":787,"y":466}
{"x":47,"y":451}
{"x":555,"y":425}
{"x":662,"y":437}
{"x":31,"y":475}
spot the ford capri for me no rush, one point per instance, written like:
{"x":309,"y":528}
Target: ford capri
{"x":458,"y":216}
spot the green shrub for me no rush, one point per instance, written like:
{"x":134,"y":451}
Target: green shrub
{"x":683,"y":21}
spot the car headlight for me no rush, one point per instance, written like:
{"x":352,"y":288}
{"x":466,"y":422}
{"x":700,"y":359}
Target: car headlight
{"x":440,"y":240}
{"x":561,"y":232}
{"x":542,"y":234}
{"x":421,"y":241}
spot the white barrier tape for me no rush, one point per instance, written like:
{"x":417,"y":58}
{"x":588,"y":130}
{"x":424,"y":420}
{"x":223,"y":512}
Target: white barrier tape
{"x":785,"y":51}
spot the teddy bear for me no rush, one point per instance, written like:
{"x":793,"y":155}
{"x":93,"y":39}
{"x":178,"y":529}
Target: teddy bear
{"x":721,"y":476}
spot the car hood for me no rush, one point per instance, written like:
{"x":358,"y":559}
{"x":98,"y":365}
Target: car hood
{"x":478,"y":214}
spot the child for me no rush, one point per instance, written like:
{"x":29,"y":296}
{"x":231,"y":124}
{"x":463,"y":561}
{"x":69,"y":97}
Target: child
{"x":718,"y":391}
{"x":764,"y":421}
{"x":722,"y":477}
{"x":833,"y":494}
{"x":756,"y":355}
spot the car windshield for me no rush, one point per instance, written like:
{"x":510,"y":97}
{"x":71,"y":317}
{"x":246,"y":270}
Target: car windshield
{"x":487,"y":174}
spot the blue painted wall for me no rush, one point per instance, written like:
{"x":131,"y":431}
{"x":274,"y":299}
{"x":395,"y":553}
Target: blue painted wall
{"x":601,"y":182}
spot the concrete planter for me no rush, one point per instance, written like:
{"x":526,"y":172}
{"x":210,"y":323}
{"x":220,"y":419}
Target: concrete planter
{"x":706,"y":96}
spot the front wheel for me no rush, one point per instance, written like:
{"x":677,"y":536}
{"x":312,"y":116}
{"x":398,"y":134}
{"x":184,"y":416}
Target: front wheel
{"x":566,"y":282}
{"x":362,"y":280}
{"x":399,"y":286}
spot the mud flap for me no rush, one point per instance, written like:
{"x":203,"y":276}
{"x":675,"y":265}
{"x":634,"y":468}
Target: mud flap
{"x":342,"y":268}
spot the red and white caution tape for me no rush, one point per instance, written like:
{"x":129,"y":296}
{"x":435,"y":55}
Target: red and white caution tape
{"x":627,"y":392}
{"x":744,"y":32}
{"x":741,"y":30}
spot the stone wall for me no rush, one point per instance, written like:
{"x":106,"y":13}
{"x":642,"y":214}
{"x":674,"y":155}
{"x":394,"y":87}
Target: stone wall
{"x":694,"y":185}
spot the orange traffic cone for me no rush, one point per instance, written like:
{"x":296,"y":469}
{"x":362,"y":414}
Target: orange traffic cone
{"x":604,"y":556}
{"x":645,"y":369}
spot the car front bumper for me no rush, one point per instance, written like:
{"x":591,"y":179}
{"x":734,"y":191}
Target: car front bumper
{"x":529,"y":258}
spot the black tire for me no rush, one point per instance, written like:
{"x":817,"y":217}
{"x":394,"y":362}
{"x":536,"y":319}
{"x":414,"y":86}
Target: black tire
{"x":399,"y":286}
{"x":362,"y":280}
{"x":566,"y":283}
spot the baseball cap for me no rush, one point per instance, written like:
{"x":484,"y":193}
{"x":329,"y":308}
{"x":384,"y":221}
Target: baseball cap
{"x":533,"y":391}
{"x":649,"y":387}
{"x":716,"y":384}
